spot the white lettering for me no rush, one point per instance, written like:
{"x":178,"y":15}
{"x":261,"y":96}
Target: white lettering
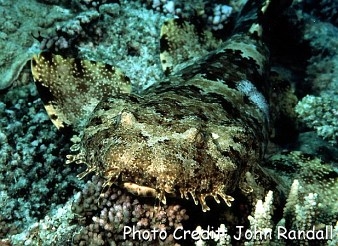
{"x":248,"y":234}
{"x":163,"y":235}
{"x":204,"y":234}
{"x":239,"y":233}
{"x":195,"y":235}
{"x":145,"y":235}
{"x":320,"y":235}
{"x":126,"y":231}
{"x":310,"y":234}
{"x":180,"y":228}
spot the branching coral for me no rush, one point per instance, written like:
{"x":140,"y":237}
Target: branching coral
{"x":321,"y":114}
{"x":111,"y":215}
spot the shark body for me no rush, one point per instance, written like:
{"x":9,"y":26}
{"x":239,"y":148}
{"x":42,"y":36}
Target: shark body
{"x":198,"y":133}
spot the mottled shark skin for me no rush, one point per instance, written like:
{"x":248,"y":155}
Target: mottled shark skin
{"x":198,"y":133}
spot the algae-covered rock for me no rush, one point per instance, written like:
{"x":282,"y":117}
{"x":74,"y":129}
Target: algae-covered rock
{"x":16,"y":41}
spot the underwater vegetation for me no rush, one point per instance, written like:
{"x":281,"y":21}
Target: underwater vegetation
{"x":169,"y":123}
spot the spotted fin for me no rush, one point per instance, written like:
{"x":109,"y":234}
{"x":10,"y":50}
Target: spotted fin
{"x":183,"y":41}
{"x":70,"y":88}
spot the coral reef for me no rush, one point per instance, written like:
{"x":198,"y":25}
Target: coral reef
{"x":325,"y":10}
{"x":175,"y":8}
{"x":83,"y":27}
{"x":302,"y":221}
{"x":42,"y":202}
{"x":303,"y":212}
{"x":61,"y":28}
{"x":32,"y":172}
{"x":216,"y":16}
{"x":55,"y":228}
{"x":117,"y":216}
{"x":93,"y":217}
{"x":20,"y":21}
{"x":321,"y":114}
{"x":261,"y":220}
{"x":129,"y":41}
{"x":318,"y":111}
{"x":313,"y":175}
{"x":322,"y":69}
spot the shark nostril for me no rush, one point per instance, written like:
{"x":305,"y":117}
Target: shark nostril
{"x":200,"y":139}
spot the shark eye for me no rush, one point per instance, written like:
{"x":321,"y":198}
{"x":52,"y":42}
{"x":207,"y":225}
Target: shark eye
{"x":127,"y":119}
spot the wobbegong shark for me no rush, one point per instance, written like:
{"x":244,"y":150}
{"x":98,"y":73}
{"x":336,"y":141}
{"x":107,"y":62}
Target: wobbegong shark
{"x":197,"y":133}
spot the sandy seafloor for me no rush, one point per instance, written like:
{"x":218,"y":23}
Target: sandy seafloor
{"x":42,"y":202}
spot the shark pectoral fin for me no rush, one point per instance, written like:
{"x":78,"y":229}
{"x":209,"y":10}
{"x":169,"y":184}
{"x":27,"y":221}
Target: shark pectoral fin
{"x":70,"y":88}
{"x":182,"y":41}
